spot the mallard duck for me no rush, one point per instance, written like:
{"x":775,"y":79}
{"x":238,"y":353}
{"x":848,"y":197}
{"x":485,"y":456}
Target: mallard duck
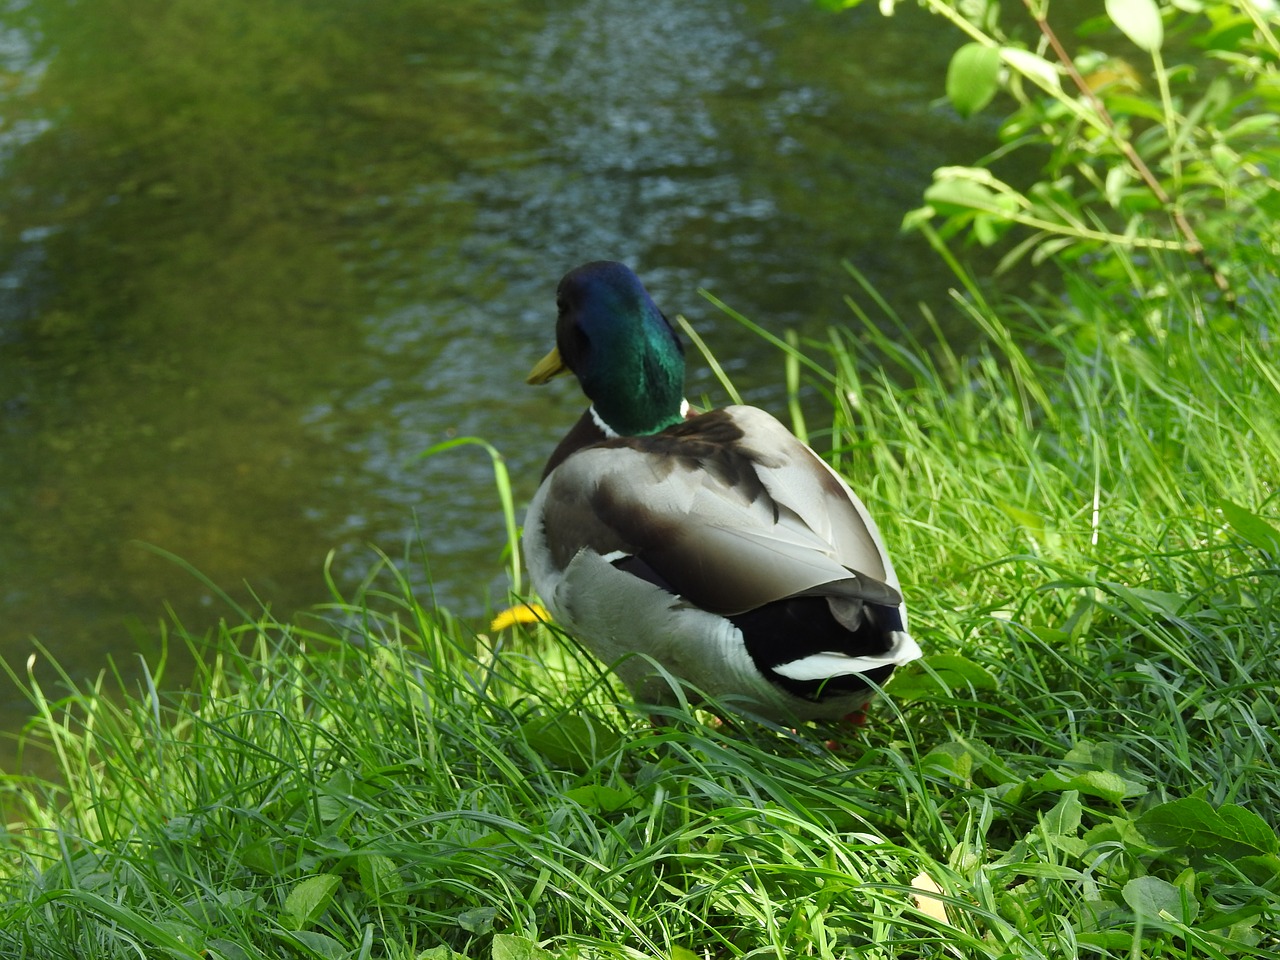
{"x":715,"y":544}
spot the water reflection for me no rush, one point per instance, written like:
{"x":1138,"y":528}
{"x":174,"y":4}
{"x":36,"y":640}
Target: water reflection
{"x":260,"y":255}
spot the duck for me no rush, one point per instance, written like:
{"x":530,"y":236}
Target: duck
{"x":712,"y":549}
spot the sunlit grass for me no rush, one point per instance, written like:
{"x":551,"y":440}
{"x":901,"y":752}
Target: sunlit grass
{"x":1081,"y":506}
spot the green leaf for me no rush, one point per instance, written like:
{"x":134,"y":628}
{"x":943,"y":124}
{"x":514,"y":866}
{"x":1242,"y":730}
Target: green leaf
{"x":1249,"y":828}
{"x":477,"y":920}
{"x":1252,"y":528}
{"x":1146,"y":601}
{"x":1034,"y":522}
{"x":1139,"y":20}
{"x":915,"y":219}
{"x":951,"y":196}
{"x":950,"y":673}
{"x":380,"y":879}
{"x":263,"y":856}
{"x":989,"y":229}
{"x":1122,"y":104}
{"x":1192,"y":827}
{"x":599,"y":796}
{"x":1250,"y":126}
{"x":507,"y":947}
{"x":1009,"y":793}
{"x":1226,"y":160}
{"x":1095,"y":770}
{"x":317,"y":945}
{"x":1034,"y":868}
{"x":1117,"y":180}
{"x":309,"y":899}
{"x":1092,"y":783}
{"x":1101,"y":756}
{"x":961,"y":671}
{"x":955,"y":759}
{"x":1148,"y":897}
{"x":1064,"y":819}
{"x":224,"y":949}
{"x":1032,"y":65}
{"x":1121,"y":830}
{"x":972,"y":77}
{"x":574,"y":741}
{"x":1228,"y":32}
{"x":1261,"y":870}
{"x":1160,"y":602}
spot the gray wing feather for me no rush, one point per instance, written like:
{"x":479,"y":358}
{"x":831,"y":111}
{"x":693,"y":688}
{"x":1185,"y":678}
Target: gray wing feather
{"x":727,"y":549}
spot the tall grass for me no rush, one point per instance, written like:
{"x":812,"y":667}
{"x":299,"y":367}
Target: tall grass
{"x":1081,"y":505}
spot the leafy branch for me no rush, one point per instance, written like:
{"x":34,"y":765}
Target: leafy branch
{"x":1199,"y":148}
{"x":1147,"y":34}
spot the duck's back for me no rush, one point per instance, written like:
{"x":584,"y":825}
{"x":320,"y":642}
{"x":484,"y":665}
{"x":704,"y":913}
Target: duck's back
{"x":721,"y":533}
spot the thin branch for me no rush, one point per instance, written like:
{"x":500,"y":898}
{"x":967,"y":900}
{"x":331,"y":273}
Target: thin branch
{"x":1192,"y":245}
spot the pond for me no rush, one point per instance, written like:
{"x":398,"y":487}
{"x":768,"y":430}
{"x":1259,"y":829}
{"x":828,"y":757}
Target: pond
{"x":257,"y":255}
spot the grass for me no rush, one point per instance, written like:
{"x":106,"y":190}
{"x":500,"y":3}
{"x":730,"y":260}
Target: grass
{"x":1082,"y":507}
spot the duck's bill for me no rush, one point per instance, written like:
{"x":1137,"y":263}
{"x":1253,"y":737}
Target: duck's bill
{"x":549,"y":366}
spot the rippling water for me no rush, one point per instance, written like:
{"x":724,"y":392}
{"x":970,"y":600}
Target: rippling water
{"x":258,"y":256}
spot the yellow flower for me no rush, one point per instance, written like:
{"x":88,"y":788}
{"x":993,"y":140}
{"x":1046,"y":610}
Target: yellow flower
{"x":520,"y":613}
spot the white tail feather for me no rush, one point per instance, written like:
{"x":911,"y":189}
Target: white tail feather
{"x":823,"y":666}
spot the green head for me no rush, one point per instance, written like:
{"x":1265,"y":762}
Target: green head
{"x":621,"y":348}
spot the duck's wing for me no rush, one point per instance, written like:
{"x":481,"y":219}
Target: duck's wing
{"x":728,"y":510}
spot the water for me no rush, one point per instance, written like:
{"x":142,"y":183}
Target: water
{"x":256,"y":256}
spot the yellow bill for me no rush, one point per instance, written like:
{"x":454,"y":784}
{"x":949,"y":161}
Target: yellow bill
{"x":549,"y":366}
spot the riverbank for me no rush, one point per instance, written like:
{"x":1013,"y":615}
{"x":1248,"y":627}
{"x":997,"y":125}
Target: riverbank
{"x":1082,"y":511}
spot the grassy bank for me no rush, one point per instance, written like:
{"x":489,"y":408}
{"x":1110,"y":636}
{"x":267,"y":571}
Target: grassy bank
{"x":1082,"y":511}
